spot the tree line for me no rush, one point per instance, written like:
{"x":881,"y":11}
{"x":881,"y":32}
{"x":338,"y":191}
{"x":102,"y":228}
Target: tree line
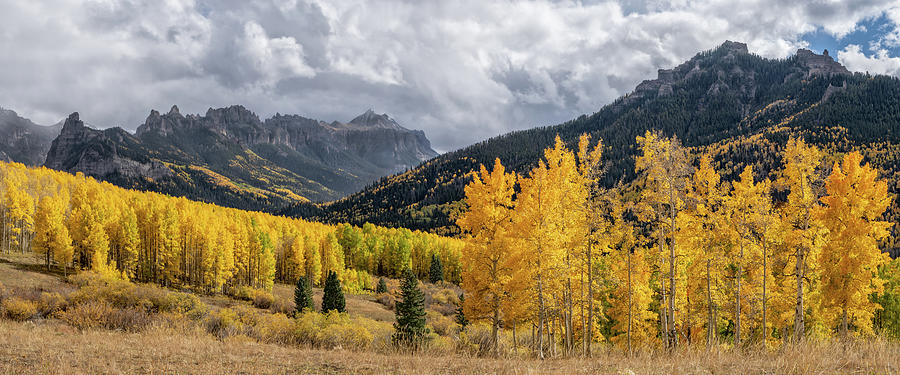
{"x":75,"y":222}
{"x":680,"y":256}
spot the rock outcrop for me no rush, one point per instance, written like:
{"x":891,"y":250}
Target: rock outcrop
{"x":820,"y":64}
{"x":79,"y":148}
{"x":24,"y":141}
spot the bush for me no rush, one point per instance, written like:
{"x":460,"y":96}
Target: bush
{"x":50,"y":303}
{"x":100,"y":314}
{"x":223,"y":323}
{"x":475,"y":340}
{"x":17,"y":308}
{"x":388,"y":300}
{"x":281,"y":305}
{"x":263,"y":299}
{"x":275,"y":329}
{"x":442,"y":325}
{"x":334,"y":330}
{"x":124,"y":294}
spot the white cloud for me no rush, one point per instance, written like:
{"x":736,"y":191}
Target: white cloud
{"x":461,"y":70}
{"x":878,"y":63}
{"x":272,"y":59}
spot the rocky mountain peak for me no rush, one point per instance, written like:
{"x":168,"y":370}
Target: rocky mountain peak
{"x":736,"y":47}
{"x":235,"y":114}
{"x":370,"y":119}
{"x":73,"y":123}
{"x":174,"y":111}
{"x":820,"y":64}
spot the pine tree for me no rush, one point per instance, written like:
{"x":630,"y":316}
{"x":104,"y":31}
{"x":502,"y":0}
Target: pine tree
{"x":333,"y":298}
{"x":460,"y":317}
{"x":382,"y":286}
{"x":302,"y":296}
{"x":409,"y":330}
{"x":436,"y":273}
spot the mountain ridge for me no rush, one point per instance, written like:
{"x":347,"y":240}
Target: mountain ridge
{"x":231,"y":157}
{"x":713,"y":102}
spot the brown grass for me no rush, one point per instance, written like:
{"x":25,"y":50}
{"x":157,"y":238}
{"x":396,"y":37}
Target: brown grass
{"x":109,"y":327}
{"x":47,"y":347}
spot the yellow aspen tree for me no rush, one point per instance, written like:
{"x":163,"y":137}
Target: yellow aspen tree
{"x":493,"y":272}
{"x":295,"y":259}
{"x":51,"y":234}
{"x":332,"y":257}
{"x":850,"y":257}
{"x":665,"y":171}
{"x":630,"y":297}
{"x":703,"y":237}
{"x":589,"y":169}
{"x":801,"y":178}
{"x":313,"y":266}
{"x":746,"y":206}
{"x":546,"y":230}
{"x":128,"y":242}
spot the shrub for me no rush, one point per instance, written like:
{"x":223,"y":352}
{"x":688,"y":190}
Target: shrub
{"x":475,"y":340}
{"x":17,"y":308}
{"x":388,"y":300}
{"x":100,"y":314}
{"x":124,"y":294}
{"x":50,"y":303}
{"x":275,"y":329}
{"x":442,"y":325}
{"x":263,"y":299}
{"x":223,"y":323}
{"x":281,"y":305}
{"x":334,"y":330}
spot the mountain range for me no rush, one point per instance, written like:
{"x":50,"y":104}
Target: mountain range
{"x":738,"y":106}
{"x":227,"y":156}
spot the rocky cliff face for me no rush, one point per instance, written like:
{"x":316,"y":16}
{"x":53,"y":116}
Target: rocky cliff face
{"x":229,"y":155}
{"x":24,"y":141}
{"x":369,"y":146}
{"x":79,"y":148}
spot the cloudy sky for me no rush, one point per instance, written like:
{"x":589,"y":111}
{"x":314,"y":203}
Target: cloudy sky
{"x":460,"y":70}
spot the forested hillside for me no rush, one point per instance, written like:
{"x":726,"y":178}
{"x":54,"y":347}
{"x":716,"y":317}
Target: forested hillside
{"x":74,"y":222}
{"x":736,"y":105}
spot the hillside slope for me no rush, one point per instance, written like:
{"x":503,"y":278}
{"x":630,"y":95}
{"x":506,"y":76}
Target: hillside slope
{"x":740,"y":106}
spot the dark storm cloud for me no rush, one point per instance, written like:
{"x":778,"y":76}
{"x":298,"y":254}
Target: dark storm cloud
{"x":460,"y":70}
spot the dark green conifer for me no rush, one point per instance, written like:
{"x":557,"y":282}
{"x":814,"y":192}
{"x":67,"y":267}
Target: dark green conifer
{"x":382,"y":286}
{"x":333,"y":297}
{"x":302,"y":296}
{"x":460,"y":314}
{"x":409,"y":330}
{"x":436,"y":273}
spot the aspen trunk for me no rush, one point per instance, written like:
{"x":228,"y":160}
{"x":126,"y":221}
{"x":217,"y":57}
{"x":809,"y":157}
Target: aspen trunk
{"x":765,"y":332}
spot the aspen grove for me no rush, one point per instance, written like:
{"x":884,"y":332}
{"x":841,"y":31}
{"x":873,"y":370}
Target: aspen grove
{"x":679,"y":257}
{"x":74,"y":222}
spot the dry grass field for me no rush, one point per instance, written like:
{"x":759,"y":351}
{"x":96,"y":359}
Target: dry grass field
{"x":50,"y":346}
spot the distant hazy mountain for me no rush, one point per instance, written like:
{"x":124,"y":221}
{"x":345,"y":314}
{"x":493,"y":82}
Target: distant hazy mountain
{"x":24,"y":141}
{"x":739,"y":106}
{"x":229,"y":157}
